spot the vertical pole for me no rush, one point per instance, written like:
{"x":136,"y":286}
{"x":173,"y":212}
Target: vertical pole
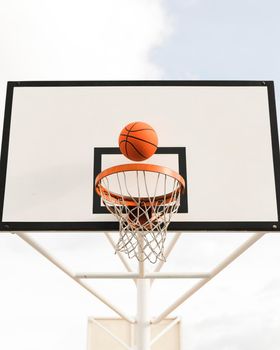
{"x":143,"y":326}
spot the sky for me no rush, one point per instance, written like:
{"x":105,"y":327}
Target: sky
{"x":133,"y":39}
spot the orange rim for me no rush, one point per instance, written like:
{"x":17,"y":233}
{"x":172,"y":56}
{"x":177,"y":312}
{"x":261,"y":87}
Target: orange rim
{"x":126,"y":200}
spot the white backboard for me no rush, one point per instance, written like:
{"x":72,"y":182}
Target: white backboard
{"x":222,"y":137}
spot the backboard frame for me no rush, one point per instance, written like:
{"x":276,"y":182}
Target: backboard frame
{"x":113,"y":226}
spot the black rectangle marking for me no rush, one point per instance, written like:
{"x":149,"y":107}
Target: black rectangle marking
{"x":97,"y":168}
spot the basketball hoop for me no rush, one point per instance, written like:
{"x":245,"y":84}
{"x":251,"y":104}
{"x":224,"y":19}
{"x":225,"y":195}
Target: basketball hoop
{"x":143,"y":197}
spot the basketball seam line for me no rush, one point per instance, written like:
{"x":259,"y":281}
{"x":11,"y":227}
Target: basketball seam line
{"x":126,"y":141}
{"x":127,"y":138}
{"x":137,"y":138}
{"x":139,"y":130}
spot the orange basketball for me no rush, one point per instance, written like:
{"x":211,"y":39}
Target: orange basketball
{"x":138,"y":141}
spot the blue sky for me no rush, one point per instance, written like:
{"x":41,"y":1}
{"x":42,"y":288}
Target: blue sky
{"x":221,"y":40}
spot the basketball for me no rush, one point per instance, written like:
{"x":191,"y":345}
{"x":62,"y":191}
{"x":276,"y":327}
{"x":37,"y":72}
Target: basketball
{"x":138,"y":141}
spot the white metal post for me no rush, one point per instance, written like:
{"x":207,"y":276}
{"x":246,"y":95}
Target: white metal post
{"x":143,"y":325}
{"x":136,"y":275}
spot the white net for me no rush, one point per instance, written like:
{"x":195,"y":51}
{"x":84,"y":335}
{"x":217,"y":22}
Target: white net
{"x":143,"y":202}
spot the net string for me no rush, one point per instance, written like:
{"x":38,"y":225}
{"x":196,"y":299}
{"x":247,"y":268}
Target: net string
{"x":142,"y":226}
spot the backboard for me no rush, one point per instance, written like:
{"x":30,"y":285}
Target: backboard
{"x":100,"y":339}
{"x":221,"y":136}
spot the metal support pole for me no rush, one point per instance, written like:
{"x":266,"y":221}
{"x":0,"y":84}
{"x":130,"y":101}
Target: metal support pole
{"x":143,"y":326}
{"x":43,"y":252}
{"x":136,"y":275}
{"x":235,"y":254}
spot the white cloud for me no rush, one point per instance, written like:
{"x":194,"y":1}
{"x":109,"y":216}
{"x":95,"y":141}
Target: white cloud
{"x":79,"y":40}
